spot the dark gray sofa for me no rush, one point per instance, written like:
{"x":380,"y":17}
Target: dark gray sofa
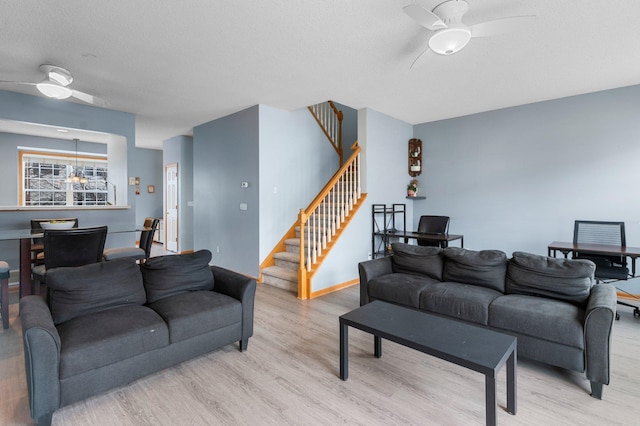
{"x":553,"y":306}
{"x":108,"y":324}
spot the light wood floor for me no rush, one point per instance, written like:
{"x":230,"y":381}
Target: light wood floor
{"x":289,"y":375}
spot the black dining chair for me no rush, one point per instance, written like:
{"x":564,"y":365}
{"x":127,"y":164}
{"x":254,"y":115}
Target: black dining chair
{"x":143,"y":251}
{"x":37,"y":246}
{"x":69,"y":247}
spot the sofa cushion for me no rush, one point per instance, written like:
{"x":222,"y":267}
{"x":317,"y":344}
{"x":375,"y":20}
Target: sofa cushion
{"x":563,"y":279}
{"x":547,"y":319}
{"x":412,"y":259}
{"x":462,"y":301}
{"x":101,"y":338}
{"x":197,"y":312}
{"x":166,"y":276}
{"x":80,"y":290}
{"x":486,"y":268}
{"x":400,"y":288}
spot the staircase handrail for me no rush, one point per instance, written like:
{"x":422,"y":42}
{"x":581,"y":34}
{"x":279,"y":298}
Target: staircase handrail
{"x":324,"y":229}
{"x":332,"y":131}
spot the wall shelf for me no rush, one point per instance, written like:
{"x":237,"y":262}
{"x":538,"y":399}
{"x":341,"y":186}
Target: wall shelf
{"x":415,"y":157}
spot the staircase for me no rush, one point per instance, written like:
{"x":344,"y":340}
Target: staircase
{"x":319,"y":225}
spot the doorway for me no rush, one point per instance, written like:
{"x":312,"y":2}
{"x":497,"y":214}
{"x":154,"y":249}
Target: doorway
{"x":171,"y":203}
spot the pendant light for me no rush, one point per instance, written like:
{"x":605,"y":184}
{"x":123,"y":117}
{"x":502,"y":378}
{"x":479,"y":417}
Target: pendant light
{"x":76,"y":177}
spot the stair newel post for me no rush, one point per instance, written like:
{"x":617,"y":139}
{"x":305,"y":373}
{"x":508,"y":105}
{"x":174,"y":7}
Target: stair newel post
{"x":302,"y":269}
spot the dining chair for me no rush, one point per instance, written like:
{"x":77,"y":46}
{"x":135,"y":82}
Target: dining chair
{"x":69,"y":247}
{"x":37,"y":246}
{"x":143,"y":251}
{"x":4,"y":293}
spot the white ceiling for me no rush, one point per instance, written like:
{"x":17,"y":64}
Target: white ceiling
{"x":177,"y":64}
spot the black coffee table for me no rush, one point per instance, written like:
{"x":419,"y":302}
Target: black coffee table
{"x":474,"y":347}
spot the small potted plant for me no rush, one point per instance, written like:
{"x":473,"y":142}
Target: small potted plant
{"x":412,"y":188}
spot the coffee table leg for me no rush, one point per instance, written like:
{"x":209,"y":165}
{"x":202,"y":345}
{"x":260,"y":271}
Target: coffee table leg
{"x":377,"y":346}
{"x":344,"y":351}
{"x":490,"y":398}
{"x":512,"y":382}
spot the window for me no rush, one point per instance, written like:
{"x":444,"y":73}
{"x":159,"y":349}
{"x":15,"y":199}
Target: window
{"x":46,"y":179}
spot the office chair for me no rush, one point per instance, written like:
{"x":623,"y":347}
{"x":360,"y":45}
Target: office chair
{"x":608,"y":268}
{"x":438,"y":225}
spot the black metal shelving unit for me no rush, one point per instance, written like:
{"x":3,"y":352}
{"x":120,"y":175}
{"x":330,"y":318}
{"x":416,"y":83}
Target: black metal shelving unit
{"x":386,"y":220}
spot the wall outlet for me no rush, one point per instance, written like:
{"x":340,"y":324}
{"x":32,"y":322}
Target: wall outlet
{"x":217,"y":249}
{"x":244,"y":184}
{"x":369,"y":256}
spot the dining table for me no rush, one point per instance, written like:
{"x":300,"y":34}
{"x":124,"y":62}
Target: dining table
{"x":26,"y":235}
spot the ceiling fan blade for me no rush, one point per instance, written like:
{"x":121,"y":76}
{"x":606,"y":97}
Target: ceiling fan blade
{"x":499,"y":26}
{"x":90,"y":99}
{"x":425,"y":52}
{"x":17,"y":82}
{"x":423,"y":17}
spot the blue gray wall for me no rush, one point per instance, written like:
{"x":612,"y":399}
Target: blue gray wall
{"x":517,"y":178}
{"x":296,"y":161}
{"x":285,"y":159}
{"x":225,"y":154}
{"x":150,"y":170}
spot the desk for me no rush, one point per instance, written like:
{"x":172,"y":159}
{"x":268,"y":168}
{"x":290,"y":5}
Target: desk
{"x":602,"y":249}
{"x":441,"y":239}
{"x":25,"y":236}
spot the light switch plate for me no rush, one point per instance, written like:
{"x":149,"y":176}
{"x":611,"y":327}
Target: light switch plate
{"x":243,"y":206}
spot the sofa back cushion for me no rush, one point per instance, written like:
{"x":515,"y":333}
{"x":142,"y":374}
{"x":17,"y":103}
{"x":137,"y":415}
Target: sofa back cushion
{"x":80,"y":290}
{"x":417,"y":260}
{"x":486,"y":268}
{"x":564,"y":279}
{"x":166,"y":276}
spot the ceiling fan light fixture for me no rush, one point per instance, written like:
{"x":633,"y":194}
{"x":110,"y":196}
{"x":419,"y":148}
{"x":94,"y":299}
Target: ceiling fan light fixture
{"x":53,"y":90}
{"x":449,"y":40}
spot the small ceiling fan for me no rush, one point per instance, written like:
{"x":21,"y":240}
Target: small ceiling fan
{"x":56,"y":85}
{"x":450,"y":34}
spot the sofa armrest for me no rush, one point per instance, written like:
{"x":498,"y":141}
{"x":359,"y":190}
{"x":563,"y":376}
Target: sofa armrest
{"x":369,"y":270}
{"x":239,"y":287}
{"x":41,"y":356}
{"x":598,"y":323}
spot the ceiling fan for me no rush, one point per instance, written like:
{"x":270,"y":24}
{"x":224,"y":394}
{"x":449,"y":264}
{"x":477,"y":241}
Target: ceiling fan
{"x":450,"y":34}
{"x":56,"y":85}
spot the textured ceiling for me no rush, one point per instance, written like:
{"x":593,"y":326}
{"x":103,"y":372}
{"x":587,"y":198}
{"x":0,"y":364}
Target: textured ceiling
{"x":177,"y":64}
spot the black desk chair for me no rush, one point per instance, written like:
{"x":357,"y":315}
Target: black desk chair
{"x":436,"y":225}
{"x":69,"y":247}
{"x":608,"y":268}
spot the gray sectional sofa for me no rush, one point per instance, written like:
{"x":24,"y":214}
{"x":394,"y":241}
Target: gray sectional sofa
{"x":108,"y":324}
{"x":553,"y":306}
